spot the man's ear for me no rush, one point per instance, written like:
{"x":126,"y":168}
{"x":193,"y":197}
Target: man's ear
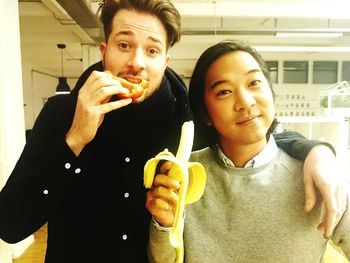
{"x":103,"y":47}
{"x":205,"y":117}
{"x":167,"y":59}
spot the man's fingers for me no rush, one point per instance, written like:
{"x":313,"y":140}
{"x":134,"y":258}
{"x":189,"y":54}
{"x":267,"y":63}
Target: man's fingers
{"x":165,"y":167}
{"x":330,"y":217}
{"x":334,"y":208}
{"x":113,"y":105}
{"x":105,"y":91}
{"x":95,"y":80}
{"x":160,"y":204}
{"x":166,"y":193}
{"x":166,"y":181}
{"x":160,"y":209}
{"x":310,"y":194}
{"x":161,"y":199}
{"x":321,"y":227}
{"x":99,"y":86}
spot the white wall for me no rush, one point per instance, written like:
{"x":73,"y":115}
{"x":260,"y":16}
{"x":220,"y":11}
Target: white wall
{"x":37,"y":88}
{"x":11,"y":103}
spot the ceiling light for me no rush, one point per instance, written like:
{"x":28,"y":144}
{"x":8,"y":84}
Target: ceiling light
{"x":62,"y":87}
{"x":309,"y":34}
{"x":301,"y":49}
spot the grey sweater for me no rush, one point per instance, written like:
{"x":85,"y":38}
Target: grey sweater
{"x":251,"y":215}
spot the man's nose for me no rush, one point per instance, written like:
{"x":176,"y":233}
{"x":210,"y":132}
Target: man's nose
{"x":244,"y":99}
{"x":137,"y":60}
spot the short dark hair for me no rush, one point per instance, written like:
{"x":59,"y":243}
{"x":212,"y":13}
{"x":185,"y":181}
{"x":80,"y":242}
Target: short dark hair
{"x":207,"y":135}
{"x":163,"y":9}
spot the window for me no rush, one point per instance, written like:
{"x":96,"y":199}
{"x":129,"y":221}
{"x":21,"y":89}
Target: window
{"x":295,"y":71}
{"x":325,"y":71}
{"x":346,"y":71}
{"x":273,"y":68}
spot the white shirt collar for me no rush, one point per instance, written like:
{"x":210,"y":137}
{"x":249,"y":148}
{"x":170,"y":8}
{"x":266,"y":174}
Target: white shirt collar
{"x":267,"y":154}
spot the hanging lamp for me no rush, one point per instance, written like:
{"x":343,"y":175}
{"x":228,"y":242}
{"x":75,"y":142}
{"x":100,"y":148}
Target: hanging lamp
{"x":62,"y":87}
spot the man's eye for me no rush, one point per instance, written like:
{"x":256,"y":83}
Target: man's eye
{"x":255,"y":82}
{"x":152,"y":51}
{"x":223,"y":92}
{"x":123,"y":45}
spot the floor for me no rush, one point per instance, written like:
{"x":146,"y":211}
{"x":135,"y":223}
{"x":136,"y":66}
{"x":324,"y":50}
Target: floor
{"x":36,"y":252}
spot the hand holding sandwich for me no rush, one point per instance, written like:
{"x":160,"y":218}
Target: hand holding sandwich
{"x":94,"y":101}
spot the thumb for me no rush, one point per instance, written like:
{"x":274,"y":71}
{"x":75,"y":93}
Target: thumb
{"x":310,"y":194}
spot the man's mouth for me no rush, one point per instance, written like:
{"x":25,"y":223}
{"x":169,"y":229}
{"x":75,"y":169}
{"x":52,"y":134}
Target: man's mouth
{"x":133,"y":79}
{"x":246,"y":119}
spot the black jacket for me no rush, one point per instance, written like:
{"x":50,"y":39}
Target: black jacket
{"x":95,"y":203}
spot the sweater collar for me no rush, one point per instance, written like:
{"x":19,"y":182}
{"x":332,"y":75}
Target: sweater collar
{"x":267,"y":154}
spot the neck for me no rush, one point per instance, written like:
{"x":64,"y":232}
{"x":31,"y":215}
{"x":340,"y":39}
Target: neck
{"x":241,"y":153}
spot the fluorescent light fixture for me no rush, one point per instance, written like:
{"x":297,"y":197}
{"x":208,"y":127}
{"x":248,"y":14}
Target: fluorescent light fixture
{"x":300,"y":49}
{"x":309,"y":34}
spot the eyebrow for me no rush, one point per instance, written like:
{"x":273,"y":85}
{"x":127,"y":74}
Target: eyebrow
{"x":253,"y":71}
{"x":125,"y":32}
{"x":130,"y":33}
{"x":217,"y":83}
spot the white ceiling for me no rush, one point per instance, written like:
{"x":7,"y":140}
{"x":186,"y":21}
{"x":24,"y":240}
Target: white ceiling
{"x":46,"y":23}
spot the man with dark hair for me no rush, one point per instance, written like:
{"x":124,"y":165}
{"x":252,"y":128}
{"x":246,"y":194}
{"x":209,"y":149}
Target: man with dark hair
{"x":252,"y":207}
{"x":82,"y":167}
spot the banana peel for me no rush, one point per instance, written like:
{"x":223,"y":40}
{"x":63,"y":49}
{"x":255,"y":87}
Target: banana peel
{"x":192,"y":178}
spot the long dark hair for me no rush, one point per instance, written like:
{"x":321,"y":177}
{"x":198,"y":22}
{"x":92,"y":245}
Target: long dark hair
{"x":207,"y":135}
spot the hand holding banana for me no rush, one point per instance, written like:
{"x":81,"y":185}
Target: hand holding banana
{"x":185,"y":185}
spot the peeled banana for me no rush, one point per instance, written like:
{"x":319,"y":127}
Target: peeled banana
{"x":192,"y":178}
